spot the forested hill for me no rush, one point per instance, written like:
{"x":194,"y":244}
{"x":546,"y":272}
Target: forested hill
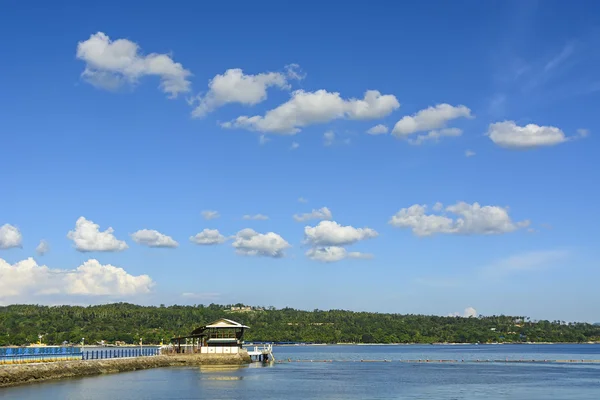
{"x":21,"y":324}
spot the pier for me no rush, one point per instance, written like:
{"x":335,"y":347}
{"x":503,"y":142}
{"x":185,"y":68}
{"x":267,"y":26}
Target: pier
{"x":261,"y":353}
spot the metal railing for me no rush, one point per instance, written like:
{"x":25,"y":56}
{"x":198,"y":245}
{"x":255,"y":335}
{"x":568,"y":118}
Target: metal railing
{"x":93,"y":354}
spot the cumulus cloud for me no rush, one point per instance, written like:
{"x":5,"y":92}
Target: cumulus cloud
{"x":87,"y":237}
{"x":469,"y":153}
{"x":251,"y":243}
{"x":467,"y":313}
{"x":334,"y":253}
{"x":42,"y":248}
{"x":26,"y":278}
{"x":509,"y":135}
{"x":112,"y":63}
{"x":464,"y":219}
{"x":378,"y":130}
{"x":210,"y":214}
{"x":256,"y":217}
{"x":328,"y":138}
{"x":208,"y":237}
{"x":321,"y":213}
{"x":236,"y":87}
{"x":308,"y":108}
{"x":330,"y":233}
{"x":430,"y":118}
{"x":152,"y":238}
{"x":10,"y":237}
{"x":294,"y":145}
{"x":435,"y":135}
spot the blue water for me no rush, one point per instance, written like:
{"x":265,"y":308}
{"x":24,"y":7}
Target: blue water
{"x":346,"y":378}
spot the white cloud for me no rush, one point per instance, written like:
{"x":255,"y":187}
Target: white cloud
{"x":26,"y":278}
{"x":10,"y":237}
{"x":438,"y":206}
{"x":468,"y":219}
{"x":308,"y":108}
{"x":583,"y":133}
{"x":330,"y":233}
{"x":328,"y":138}
{"x":209,"y":214}
{"x":263,"y":139}
{"x":302,"y":200}
{"x":236,"y":87}
{"x":334,"y":253}
{"x":208,"y":237}
{"x":321,"y":213}
{"x":378,"y":130}
{"x":294,"y":145}
{"x":467,"y":313}
{"x":469,"y":153}
{"x":201,"y":296}
{"x":509,"y":135}
{"x":530,"y":261}
{"x":87,"y":237}
{"x":251,"y":243}
{"x":42,"y":248}
{"x":256,"y":217}
{"x":429,"y":118}
{"x":152,"y":238}
{"x":436,"y":135}
{"x":110,"y":64}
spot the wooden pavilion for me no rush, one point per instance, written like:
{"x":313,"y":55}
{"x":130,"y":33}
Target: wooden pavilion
{"x":220,"y":336}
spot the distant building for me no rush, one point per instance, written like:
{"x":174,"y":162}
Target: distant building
{"x":219,"y":337}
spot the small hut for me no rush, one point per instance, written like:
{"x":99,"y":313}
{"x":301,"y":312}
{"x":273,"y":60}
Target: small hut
{"x":219,"y":337}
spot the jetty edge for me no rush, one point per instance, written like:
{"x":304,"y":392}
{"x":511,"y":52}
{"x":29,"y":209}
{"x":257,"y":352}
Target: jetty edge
{"x":18,"y":374}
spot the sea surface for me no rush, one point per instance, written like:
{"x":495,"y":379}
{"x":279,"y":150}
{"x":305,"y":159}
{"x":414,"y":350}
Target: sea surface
{"x":346,"y":377}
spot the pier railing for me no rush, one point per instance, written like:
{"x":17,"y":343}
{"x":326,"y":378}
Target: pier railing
{"x":91,"y":354}
{"x":119,"y":353}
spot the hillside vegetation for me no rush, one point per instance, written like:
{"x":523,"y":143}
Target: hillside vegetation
{"x":21,"y":324}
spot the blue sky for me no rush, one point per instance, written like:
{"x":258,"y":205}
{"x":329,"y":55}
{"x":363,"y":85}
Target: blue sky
{"x":142,"y":117}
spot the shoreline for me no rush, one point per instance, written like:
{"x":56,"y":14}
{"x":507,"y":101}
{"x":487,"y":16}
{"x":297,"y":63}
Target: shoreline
{"x":19,"y":374}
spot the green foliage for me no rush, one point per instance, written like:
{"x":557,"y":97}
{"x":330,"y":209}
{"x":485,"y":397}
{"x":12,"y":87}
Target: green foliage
{"x":21,"y":324}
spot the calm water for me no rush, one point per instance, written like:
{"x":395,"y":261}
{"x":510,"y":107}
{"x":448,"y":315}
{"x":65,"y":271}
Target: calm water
{"x":352,"y":380}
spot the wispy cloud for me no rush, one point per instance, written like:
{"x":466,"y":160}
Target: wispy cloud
{"x":531,"y":261}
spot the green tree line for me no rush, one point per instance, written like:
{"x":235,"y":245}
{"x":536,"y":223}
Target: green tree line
{"x":21,"y":324}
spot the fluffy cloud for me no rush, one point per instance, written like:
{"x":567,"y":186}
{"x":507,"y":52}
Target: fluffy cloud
{"x":509,"y":135}
{"x":236,"y":87}
{"x":328,"y":138}
{"x":467,"y":313}
{"x":321,"y":213}
{"x":436,"y":135}
{"x":469,"y":153}
{"x":468,"y":219}
{"x":42,"y":248}
{"x":87,"y":237}
{"x":307,"y":108}
{"x":27,"y":278}
{"x":251,"y":243}
{"x":429,"y":118}
{"x":110,"y":64}
{"x":209,"y":214}
{"x":334,"y":253}
{"x":152,"y":238}
{"x":10,"y":237}
{"x":330,"y":233}
{"x":378,"y":130}
{"x":208,"y":237}
{"x":256,"y":217}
